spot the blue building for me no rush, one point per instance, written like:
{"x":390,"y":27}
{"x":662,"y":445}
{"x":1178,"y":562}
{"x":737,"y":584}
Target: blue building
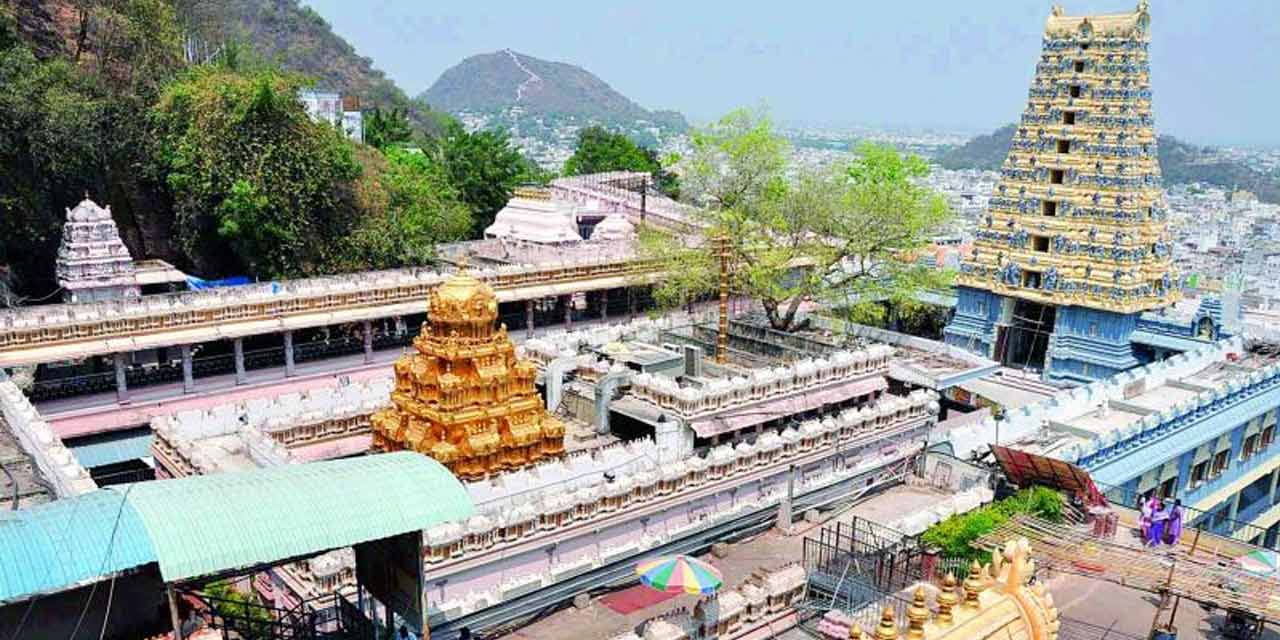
{"x":1199,"y":426}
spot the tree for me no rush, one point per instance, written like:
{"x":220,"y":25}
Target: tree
{"x":408,"y":207}
{"x":383,"y":129}
{"x":600,"y":150}
{"x":251,"y":173}
{"x":842,"y":236}
{"x":484,"y":168}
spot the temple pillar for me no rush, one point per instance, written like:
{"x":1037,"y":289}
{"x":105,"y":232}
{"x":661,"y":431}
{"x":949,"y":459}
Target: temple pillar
{"x":238,"y":346}
{"x":367,"y":328}
{"x":1271,"y":495}
{"x":289,"y":369}
{"x":122,"y":384}
{"x":528,"y":318}
{"x":568,"y":310}
{"x":604,"y":304}
{"x":188,"y":378}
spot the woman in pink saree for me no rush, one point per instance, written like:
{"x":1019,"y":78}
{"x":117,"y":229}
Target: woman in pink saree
{"x":1149,"y":508}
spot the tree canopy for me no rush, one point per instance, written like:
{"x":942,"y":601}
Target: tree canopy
{"x":843,"y":235}
{"x":485,"y":169}
{"x":387,"y":128}
{"x":599,"y":150}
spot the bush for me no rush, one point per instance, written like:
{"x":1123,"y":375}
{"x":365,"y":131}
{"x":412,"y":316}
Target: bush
{"x":954,"y":536}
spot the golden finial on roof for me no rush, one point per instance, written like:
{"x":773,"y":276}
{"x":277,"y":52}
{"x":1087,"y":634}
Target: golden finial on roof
{"x":917,"y":615}
{"x":887,"y":629}
{"x":973,"y":585}
{"x":947,"y":599}
{"x":855,"y":631}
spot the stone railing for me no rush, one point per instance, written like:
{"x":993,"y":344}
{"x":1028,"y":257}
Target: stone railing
{"x":268,"y":427}
{"x":600,"y":187}
{"x":583,"y":497}
{"x":51,"y":324}
{"x":57,"y":464}
{"x":1025,"y":421}
{"x":559,"y":343}
{"x":761,"y":384}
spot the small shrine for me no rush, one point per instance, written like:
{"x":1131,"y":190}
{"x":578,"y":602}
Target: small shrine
{"x":532,"y":215}
{"x":93,"y":263}
{"x":461,"y":396}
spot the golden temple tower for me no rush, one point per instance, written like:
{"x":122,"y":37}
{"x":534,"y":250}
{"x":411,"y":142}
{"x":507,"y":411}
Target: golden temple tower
{"x":1074,"y":245}
{"x":462,"y":397}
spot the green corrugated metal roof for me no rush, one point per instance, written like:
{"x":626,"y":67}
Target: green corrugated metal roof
{"x":204,"y":525}
{"x":68,"y":542}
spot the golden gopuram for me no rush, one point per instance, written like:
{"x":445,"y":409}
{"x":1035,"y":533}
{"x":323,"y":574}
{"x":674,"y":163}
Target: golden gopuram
{"x":461,"y":396}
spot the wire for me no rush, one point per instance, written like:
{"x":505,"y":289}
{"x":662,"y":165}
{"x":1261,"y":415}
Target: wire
{"x":53,"y":293}
{"x":106,"y":615}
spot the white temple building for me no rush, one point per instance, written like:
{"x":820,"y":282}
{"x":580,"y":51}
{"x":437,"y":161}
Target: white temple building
{"x":532,"y":215}
{"x":615,"y":227}
{"x":94,"y":264}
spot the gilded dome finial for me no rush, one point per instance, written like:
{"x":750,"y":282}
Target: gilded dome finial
{"x":973,"y":585}
{"x":917,"y":615}
{"x":947,"y":599}
{"x":887,"y":629}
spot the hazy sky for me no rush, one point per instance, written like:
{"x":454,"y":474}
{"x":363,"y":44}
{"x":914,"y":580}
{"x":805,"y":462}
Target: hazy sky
{"x":954,"y":64}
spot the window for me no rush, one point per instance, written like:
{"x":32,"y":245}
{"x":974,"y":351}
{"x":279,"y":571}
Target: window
{"x":1031,"y":279}
{"x":1040,"y":243}
{"x":1055,"y":176}
{"x":1064,"y":146}
{"x":1250,"y":447}
{"x":1169,"y":487}
{"x":1221,"y":516}
{"x":1220,"y":461}
{"x":1268,"y":436}
{"x":1199,"y":473}
{"x":1074,"y":91}
{"x":1068,"y":117}
{"x":1079,"y":66}
{"x":1049,"y":208}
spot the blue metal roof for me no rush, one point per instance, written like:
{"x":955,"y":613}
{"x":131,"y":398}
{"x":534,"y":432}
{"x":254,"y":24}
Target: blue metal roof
{"x":204,"y":525}
{"x":107,"y":451}
{"x":60,"y":544}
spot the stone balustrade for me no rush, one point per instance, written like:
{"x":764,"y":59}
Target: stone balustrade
{"x":52,"y":324}
{"x":57,"y":464}
{"x":267,"y":427}
{"x":560,"y":343}
{"x":760,"y":384}
{"x":571,"y":499}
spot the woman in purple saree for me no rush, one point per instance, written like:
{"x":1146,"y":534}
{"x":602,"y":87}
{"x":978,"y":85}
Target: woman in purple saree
{"x":1173,"y":526}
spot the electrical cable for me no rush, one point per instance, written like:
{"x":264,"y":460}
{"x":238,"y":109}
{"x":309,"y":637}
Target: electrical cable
{"x":106,"y":615}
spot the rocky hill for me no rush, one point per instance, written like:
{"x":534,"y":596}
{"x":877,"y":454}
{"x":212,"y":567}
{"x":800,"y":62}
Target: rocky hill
{"x":299,"y":39}
{"x":502,"y":81}
{"x":1179,"y":163}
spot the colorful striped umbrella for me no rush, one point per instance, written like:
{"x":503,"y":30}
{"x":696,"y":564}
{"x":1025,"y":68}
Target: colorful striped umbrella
{"x":679,"y":574}
{"x":1262,"y":562}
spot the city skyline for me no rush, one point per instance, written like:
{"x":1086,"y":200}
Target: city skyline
{"x":942,"y":66}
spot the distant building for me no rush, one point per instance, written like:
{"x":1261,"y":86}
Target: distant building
{"x":336,"y":109}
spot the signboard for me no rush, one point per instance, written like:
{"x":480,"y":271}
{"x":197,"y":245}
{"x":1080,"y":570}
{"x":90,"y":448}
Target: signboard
{"x":391,"y":571}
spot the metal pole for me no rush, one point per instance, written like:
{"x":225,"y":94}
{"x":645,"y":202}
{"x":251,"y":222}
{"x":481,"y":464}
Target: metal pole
{"x":1195,"y":543}
{"x":173,"y":613}
{"x":188,"y":376}
{"x":1164,"y":593}
{"x":238,"y":347}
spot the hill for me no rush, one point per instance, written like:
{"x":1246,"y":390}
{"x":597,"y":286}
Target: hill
{"x":496,"y":84}
{"x":1179,"y":163}
{"x":299,"y":39}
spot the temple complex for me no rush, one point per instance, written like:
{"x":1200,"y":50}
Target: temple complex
{"x":462,"y":397}
{"x":1074,"y":247}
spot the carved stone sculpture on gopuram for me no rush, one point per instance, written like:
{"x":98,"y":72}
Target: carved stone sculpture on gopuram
{"x":461,"y":396}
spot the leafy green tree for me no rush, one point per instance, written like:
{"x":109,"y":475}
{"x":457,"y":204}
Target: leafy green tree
{"x":251,"y":172}
{"x":410,"y":207}
{"x":484,"y":168}
{"x":839,"y":236}
{"x":384,"y":129}
{"x":600,"y":150}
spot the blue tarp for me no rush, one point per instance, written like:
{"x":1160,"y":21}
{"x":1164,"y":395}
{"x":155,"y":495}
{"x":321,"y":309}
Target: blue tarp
{"x":195,"y":283}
